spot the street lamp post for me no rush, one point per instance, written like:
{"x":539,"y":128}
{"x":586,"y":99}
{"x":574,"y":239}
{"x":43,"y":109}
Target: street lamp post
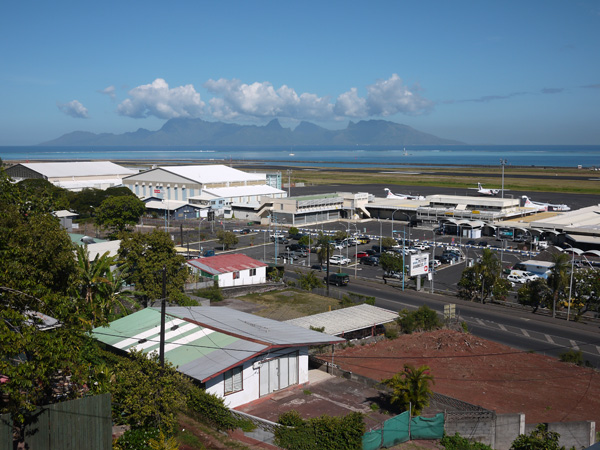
{"x":503,"y":163}
{"x":403,"y":252}
{"x":571,"y":282}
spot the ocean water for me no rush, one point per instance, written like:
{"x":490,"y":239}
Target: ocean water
{"x":340,"y":156}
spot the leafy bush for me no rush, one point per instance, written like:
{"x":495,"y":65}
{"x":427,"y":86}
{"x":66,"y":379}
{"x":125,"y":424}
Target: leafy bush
{"x":212,"y":409}
{"x":423,"y":319}
{"x":574,"y":357}
{"x":213,"y":293}
{"x":136,"y":439}
{"x":457,"y":442}
{"x":320,"y":433}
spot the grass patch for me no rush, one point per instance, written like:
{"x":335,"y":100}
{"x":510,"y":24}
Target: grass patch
{"x":446,"y":177}
{"x":290,"y":304}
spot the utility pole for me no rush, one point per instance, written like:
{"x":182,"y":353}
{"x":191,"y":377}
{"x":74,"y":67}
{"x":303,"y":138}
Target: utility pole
{"x":163,"y":313}
{"x":503,"y":163}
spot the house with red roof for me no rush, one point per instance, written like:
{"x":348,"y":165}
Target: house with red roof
{"x":231,"y":270}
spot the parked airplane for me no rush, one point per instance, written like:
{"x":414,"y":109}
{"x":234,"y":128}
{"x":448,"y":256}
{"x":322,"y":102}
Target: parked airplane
{"x":541,"y":206}
{"x":390,"y":194}
{"x":482,"y":191}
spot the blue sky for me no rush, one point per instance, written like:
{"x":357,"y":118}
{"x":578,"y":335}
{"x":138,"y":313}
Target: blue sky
{"x":482,"y":72}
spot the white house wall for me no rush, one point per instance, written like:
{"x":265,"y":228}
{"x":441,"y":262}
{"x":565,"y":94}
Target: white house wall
{"x":226,"y":279}
{"x":251,"y":378}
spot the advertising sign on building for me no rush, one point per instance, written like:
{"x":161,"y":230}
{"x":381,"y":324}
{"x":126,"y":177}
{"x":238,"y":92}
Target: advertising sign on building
{"x":419,"y":264}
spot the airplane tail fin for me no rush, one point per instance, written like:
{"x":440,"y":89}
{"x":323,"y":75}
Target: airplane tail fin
{"x":479,"y":186}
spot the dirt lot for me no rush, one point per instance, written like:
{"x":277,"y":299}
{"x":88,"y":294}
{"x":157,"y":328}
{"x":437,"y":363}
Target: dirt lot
{"x":487,"y":374}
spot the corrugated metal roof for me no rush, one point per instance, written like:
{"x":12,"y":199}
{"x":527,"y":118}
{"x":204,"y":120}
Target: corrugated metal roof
{"x":347,"y":319}
{"x":228,"y":263}
{"x":205,"y":341}
{"x":213,"y":173}
{"x":78,"y":169}
{"x":244,"y":191}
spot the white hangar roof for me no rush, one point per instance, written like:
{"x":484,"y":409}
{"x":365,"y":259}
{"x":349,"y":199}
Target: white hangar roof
{"x":78,"y":169}
{"x":213,"y":173}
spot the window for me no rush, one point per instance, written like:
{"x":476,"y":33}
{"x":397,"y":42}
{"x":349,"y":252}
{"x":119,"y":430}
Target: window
{"x":252,"y":272}
{"x":236,"y":275}
{"x":233,"y":380}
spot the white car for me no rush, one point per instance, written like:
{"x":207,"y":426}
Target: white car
{"x":339,"y":260}
{"x":421,"y":246}
{"x":516,"y":279}
{"x":436,"y":263}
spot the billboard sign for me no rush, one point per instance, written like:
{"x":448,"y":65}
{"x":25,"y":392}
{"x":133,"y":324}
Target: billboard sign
{"x":505,"y":233}
{"x":419,"y":264}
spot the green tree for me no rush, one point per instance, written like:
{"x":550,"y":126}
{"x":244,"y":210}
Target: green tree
{"x":146,"y":395}
{"x":536,"y":294}
{"x":142,"y":258}
{"x":388,"y":242}
{"x":293,"y":230}
{"x":538,"y":439}
{"x":309,"y":281}
{"x":305,"y":240}
{"x":92,"y":274}
{"x":423,"y":319}
{"x":117,"y":213}
{"x":87,"y":201}
{"x":586,"y":291}
{"x":227,"y":239}
{"x":38,"y":271}
{"x":38,"y":189}
{"x":411,"y":387}
{"x":483,"y":279}
{"x":392,"y":262}
{"x":558,"y":279}
{"x":325,"y":248}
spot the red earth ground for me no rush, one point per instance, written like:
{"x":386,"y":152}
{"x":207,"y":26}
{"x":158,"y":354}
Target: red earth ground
{"x":485,"y":373}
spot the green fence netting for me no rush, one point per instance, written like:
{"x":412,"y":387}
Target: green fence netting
{"x":427,"y":427}
{"x":395,"y":430}
{"x":371,"y":440}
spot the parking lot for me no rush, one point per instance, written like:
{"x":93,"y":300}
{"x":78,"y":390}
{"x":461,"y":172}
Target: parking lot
{"x":256,"y":242}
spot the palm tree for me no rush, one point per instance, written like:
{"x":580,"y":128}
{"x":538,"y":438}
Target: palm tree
{"x":558,"y":278}
{"x":411,"y":387}
{"x":92,"y":274}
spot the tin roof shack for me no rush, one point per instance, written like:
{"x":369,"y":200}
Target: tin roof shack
{"x":235,"y":355}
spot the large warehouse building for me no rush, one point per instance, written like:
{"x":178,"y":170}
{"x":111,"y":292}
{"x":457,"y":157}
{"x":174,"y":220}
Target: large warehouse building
{"x":198,"y":182}
{"x":74,"y":176}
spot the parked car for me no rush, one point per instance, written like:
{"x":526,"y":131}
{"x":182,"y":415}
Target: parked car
{"x":245,"y":231}
{"x":449,"y":258}
{"x":361,"y":255}
{"x":483,"y":243}
{"x":363,"y":239}
{"x":369,"y":260}
{"x":318,"y":267}
{"x":279,"y":238}
{"x":370,"y":251}
{"x":392,"y":274}
{"x":339,"y":279}
{"x":339,"y":260}
{"x":436,"y":263}
{"x":296,"y":247}
{"x":289,"y":255}
{"x":471,"y":243}
{"x":516,"y":278}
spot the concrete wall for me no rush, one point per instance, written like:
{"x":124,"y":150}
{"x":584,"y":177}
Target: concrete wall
{"x":508,"y":428}
{"x":572,"y":434}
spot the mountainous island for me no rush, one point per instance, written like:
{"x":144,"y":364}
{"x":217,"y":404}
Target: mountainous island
{"x":198,"y":132}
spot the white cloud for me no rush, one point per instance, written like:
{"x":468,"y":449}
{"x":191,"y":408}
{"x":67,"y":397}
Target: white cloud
{"x":262,"y":100}
{"x":349,"y":104}
{"x":110,"y":91}
{"x":389,"y":97}
{"x":233,"y":99}
{"x":73,"y":109}
{"x":158,"y":100}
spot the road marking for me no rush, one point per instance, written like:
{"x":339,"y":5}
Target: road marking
{"x":480,"y":322}
{"x":549,"y":339}
{"x":502,"y":327}
{"x":597,"y":349}
{"x":525,"y":333}
{"x":574,"y":345}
